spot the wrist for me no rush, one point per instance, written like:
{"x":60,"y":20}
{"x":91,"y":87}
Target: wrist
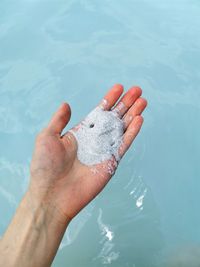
{"x":43,"y":207}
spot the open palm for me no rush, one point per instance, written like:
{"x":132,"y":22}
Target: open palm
{"x":56,"y":172}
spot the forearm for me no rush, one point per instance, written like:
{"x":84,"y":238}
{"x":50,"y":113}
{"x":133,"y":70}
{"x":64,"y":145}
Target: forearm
{"x":34,"y":235}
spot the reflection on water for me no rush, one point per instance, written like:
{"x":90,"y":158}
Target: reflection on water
{"x":107,"y":253}
{"x":55,"y":51}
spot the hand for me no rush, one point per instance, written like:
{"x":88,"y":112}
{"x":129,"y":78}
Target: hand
{"x":58,"y":177}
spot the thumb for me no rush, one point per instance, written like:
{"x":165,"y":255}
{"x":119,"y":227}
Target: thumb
{"x":60,"y":119}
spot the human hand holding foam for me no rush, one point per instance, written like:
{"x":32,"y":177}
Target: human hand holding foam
{"x":56,"y":171}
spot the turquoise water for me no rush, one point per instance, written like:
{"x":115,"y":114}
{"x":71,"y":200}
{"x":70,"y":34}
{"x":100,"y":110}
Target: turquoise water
{"x":55,"y":51}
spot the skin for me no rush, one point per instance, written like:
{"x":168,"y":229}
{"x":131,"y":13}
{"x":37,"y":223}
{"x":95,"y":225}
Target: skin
{"x":60,"y":185}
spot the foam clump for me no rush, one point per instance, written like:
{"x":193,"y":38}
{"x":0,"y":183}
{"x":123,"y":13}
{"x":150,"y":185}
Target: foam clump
{"x":99,"y":137}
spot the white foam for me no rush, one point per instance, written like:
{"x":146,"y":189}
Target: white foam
{"x":99,"y":136}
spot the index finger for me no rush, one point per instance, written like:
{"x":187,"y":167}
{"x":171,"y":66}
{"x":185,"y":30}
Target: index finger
{"x":111,"y":97}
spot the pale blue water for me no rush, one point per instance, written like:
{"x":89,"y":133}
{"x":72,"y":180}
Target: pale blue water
{"x":55,"y":51}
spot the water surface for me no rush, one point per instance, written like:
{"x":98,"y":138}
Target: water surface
{"x":55,"y":51}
